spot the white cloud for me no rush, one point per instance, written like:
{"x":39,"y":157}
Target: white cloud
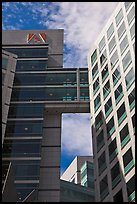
{"x":76,"y":134}
{"x":82,"y":22}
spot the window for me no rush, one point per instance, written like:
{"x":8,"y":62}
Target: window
{"x":96,"y":86}
{"x":103,"y":58}
{"x":97,"y":102}
{"x":31,"y":65}
{"x":102,"y":163}
{"x":3,"y":77}
{"x":110,"y":127}
{"x":24,"y":128}
{"x":123,"y":45}
{"x":115,"y":175}
{"x":130,"y":78}
{"x":116,"y":75}
{"x":128,"y":161}
{"x":126,"y":60}
{"x":131,"y":189}
{"x":103,"y":187}
{"x":104,"y":73}
{"x":94,"y":57}
{"x":121,"y":113}
{"x":100,"y":140}
{"x":124,"y":136}
{"x":112,"y":44}
{"x":121,"y":30}
{"x":98,"y":121}
{"x":118,"y":93}
{"x":102,"y":44}
{"x":132,"y":31}
{"x":133,"y":122}
{"x":72,"y":78}
{"x":95,"y":71}
{"x":131,"y":15}
{"x":118,"y":197}
{"x":110,"y":31}
{"x":106,"y":89}
{"x":127,"y":5}
{"x":4,"y":63}
{"x":84,"y":94}
{"x":108,"y":107}
{"x":119,"y":17}
{"x":31,"y":110}
{"x":29,"y":52}
{"x":131,"y":99}
{"x":114,"y":59}
{"x":112,"y":150}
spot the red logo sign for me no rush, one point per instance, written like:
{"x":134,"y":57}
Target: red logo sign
{"x":41,"y":37}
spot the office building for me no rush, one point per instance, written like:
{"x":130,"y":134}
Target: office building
{"x":41,"y":92}
{"x":111,"y":65}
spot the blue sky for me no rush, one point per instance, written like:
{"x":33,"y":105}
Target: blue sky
{"x":82,"y":23}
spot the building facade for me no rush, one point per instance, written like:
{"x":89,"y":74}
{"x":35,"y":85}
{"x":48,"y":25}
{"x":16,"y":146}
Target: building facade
{"x":41,"y":92}
{"x":111,"y":65}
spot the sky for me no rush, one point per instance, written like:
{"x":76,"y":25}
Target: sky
{"x":82,"y":23}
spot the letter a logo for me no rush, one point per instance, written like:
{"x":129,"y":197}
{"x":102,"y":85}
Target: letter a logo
{"x":39,"y":38}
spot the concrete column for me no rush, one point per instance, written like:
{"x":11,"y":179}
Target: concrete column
{"x":49,"y":184}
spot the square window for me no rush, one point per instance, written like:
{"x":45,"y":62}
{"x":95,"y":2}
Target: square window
{"x":104,"y":73}
{"x":124,"y":135}
{"x":102,"y":44}
{"x":110,"y":31}
{"x":116,"y":75}
{"x":126,"y":61}
{"x":131,"y":15}
{"x":121,"y":113}
{"x":110,"y":127}
{"x":94,"y":70}
{"x":108,"y":107}
{"x":97,"y":102}
{"x":114,"y":59}
{"x":124,"y":44}
{"x":94,"y":57}
{"x":118,"y":93}
{"x":112,"y":44}
{"x":121,"y":30}
{"x":130,"y":78}
{"x":103,"y":58}
{"x":119,"y":17}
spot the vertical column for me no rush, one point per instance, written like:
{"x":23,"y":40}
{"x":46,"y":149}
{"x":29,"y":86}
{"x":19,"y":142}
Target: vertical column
{"x":78,"y":84}
{"x":49,"y":184}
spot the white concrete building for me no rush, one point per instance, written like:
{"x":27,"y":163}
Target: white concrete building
{"x":111,"y":64}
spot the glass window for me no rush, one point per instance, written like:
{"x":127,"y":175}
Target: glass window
{"x":71,"y":78}
{"x":131,"y":99}
{"x":114,"y":59}
{"x":130,"y":78}
{"x":100,"y":140}
{"x":94,"y":57}
{"x":118,"y":93}
{"x":19,"y":148}
{"x":128,"y":161}
{"x":124,"y":135}
{"x":106,"y":89}
{"x":103,"y":187}
{"x":133,"y":122}
{"x":110,"y":31}
{"x":103,"y":58}
{"x":115,"y":175}
{"x":116,"y":75}
{"x":102,"y":44}
{"x":98,"y":120}
{"x":95,"y":70}
{"x":29,"y":52}
{"x":118,"y":197}
{"x":112,"y":150}
{"x":124,"y":44}
{"x":31,"y":110}
{"x":102,"y":163}
{"x":112,"y":44}
{"x":3,"y":77}
{"x":131,"y":189}
{"x":121,"y":30}
{"x":119,"y":17}
{"x":126,"y":60}
{"x":96,"y":86}
{"x":24,"y":128}
{"x":104,"y":73}
{"x":110,"y":127}
{"x":84,"y":94}
{"x":97,"y":102}
{"x":127,"y":5}
{"x":31,"y":65}
{"x":132,"y":31}
{"x":131,"y":15}
{"x":4,"y":63}
{"x":108,"y":107}
{"x":121,"y":113}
